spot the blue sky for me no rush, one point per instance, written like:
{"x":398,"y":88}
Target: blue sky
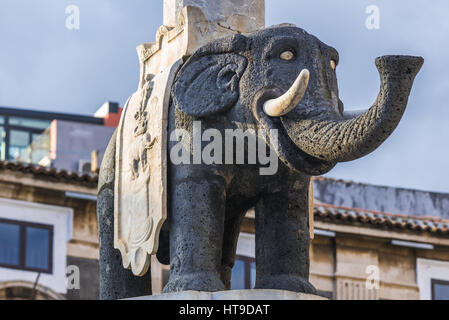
{"x":45,"y":66}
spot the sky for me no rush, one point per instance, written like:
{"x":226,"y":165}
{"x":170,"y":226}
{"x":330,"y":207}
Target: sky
{"x":45,"y":66}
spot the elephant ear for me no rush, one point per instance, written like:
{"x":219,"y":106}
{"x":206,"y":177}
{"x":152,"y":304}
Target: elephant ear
{"x":209,"y":83}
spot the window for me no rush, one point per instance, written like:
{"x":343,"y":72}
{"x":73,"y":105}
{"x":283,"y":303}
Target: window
{"x":18,"y":143}
{"x":2,"y":139}
{"x":9,"y":244}
{"x":29,"y":123}
{"x":243,"y":273}
{"x":26,"y":246}
{"x":24,"y":139}
{"x":36,"y":152}
{"x":432,"y":277}
{"x":440,"y":289}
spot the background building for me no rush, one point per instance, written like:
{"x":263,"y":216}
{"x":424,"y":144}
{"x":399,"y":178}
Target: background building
{"x":47,"y":223}
{"x":48,"y":227}
{"x":370,"y":242}
{"x":58,"y":140}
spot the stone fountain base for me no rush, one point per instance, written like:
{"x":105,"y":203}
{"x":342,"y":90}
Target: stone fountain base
{"x":255,"y":294}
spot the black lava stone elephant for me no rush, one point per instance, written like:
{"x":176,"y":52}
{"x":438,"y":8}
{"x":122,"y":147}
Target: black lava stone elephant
{"x":278,"y":78}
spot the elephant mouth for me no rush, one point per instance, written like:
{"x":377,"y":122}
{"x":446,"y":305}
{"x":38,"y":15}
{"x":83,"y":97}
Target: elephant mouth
{"x":289,"y":153}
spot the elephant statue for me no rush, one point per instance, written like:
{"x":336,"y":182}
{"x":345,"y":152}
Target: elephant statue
{"x":283,"y":79}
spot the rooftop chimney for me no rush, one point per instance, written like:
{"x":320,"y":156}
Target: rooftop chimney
{"x":110,"y":112}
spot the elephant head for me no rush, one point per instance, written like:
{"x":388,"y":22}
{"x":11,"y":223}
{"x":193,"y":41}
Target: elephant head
{"x":284,"y":78}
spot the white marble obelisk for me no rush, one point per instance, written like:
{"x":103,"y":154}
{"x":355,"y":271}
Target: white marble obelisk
{"x":219,"y":10}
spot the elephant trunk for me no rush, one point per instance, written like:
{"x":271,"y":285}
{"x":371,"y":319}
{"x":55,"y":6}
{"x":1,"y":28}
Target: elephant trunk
{"x":352,"y":138}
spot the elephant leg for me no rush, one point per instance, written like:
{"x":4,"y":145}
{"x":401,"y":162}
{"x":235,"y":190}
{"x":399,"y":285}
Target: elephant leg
{"x":115,"y":281}
{"x":282,"y":238}
{"x":197,"y":211}
{"x":231,"y":232}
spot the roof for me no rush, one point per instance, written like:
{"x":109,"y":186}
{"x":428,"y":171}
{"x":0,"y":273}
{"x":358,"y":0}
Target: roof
{"x":349,"y":182}
{"x":65,"y":175}
{"x":339,"y":214}
{"x":381,"y":198}
{"x":44,"y":115}
{"x":322,"y":211}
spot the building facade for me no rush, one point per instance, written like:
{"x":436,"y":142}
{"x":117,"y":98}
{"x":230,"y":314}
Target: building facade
{"x":355,"y":253}
{"x":369,"y":242}
{"x":48,"y":233}
{"x":48,"y":228}
{"x":58,"y":140}
{"x":362,"y":254}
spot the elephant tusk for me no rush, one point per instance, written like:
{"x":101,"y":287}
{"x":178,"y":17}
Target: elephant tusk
{"x":289,"y":100}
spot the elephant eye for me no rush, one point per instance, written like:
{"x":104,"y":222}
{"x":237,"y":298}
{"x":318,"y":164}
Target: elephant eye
{"x":287,"y":55}
{"x":333,"y":64}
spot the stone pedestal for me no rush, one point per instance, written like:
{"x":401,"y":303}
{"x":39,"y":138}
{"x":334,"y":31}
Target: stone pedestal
{"x":256,"y":294}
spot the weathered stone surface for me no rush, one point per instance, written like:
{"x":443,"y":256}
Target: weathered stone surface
{"x":115,"y":281}
{"x":192,"y":29}
{"x":239,"y":15}
{"x":141,"y":177}
{"x":225,"y":84}
{"x":342,"y":140}
{"x":89,"y":281}
{"x":234,"y":295}
{"x":282,"y":238}
{"x":381,"y":198}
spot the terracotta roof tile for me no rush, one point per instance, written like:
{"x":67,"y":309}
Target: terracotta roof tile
{"x":70,"y":176}
{"x":323,"y":212}
{"x":326,"y":212}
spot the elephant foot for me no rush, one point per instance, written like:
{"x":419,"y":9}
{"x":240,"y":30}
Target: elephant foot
{"x":286,"y":282}
{"x":208,"y":282}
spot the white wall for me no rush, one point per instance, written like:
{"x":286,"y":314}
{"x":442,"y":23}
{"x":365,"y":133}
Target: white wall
{"x":61,"y":219}
{"x":84,"y":138}
{"x":426,"y":270}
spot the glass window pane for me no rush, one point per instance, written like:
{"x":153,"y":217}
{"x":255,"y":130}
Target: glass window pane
{"x":253,"y":274}
{"x":9,"y":244}
{"x":18,"y":143}
{"x":238,"y":275}
{"x":2,"y":120}
{"x":40,"y":148}
{"x":29,"y":123}
{"x":2,"y":143}
{"x":441,"y":291}
{"x":37,"y":247}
